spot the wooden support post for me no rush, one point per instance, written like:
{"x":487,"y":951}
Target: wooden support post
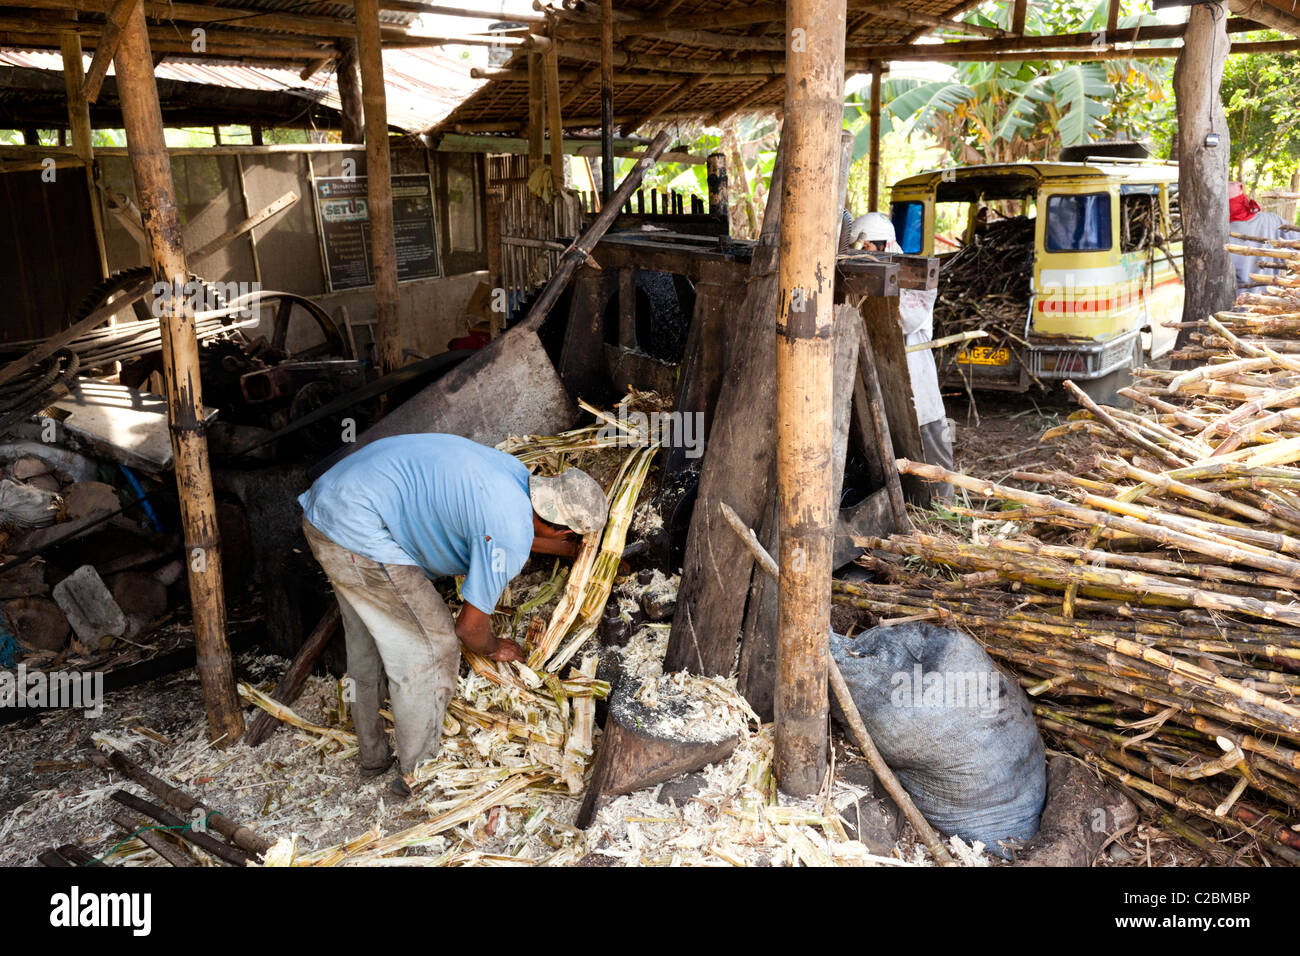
{"x":767,"y":564}
{"x":1203,"y":168}
{"x":551,"y":67}
{"x":151,"y":165}
{"x":536,"y":111}
{"x":758,"y":649}
{"x":350,"y":105}
{"x":606,"y":99}
{"x":873,"y":161}
{"x":74,"y":79}
{"x":379,"y":187}
{"x":805,"y":374}
{"x":1018,"y":10}
{"x":1112,"y":19}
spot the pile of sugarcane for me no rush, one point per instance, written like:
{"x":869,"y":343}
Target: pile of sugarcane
{"x":1147,"y":599}
{"x":985,"y":285}
{"x":1277,"y":291}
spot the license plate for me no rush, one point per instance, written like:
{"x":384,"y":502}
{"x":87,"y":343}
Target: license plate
{"x":984,"y":355}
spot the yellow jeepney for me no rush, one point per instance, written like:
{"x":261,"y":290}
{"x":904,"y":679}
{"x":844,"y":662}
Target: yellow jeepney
{"x":1106,"y":267}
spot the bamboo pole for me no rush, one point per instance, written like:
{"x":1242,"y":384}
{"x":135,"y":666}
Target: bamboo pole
{"x":873,"y":161}
{"x":805,"y":389}
{"x":882,"y":769}
{"x":142,"y":119}
{"x":551,"y":68}
{"x":379,"y":187}
{"x":536,"y":112}
{"x":79,"y":125}
{"x":606,"y":101}
{"x":353,"y":129}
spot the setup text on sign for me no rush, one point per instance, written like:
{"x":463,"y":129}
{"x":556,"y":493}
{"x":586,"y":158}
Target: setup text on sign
{"x":344,"y":220}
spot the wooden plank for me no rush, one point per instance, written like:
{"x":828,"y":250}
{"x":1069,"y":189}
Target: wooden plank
{"x":885,"y":333}
{"x":881,"y":436}
{"x":270,"y":211}
{"x":855,"y":279}
{"x":582,"y":365}
{"x":736,"y":469}
{"x":627,"y":308}
{"x":703,"y":362}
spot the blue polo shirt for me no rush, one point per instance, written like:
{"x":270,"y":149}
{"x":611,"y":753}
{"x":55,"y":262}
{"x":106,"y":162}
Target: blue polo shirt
{"x":441,"y":502}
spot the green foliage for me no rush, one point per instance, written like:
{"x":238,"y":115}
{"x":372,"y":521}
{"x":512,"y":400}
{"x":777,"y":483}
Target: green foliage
{"x":1263,"y":116}
{"x":1009,"y":111}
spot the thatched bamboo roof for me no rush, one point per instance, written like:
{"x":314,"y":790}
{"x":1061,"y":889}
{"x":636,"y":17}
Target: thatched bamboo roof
{"x":708,"y":59}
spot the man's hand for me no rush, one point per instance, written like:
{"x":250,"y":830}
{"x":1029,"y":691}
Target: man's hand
{"x":507,"y":651}
{"x":474,"y":628}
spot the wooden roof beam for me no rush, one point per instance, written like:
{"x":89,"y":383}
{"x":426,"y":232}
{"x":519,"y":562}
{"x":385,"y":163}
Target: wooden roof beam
{"x":160,"y":11}
{"x":679,"y":93}
{"x":167,"y":37}
{"x":48,"y":38}
{"x":756,"y":64}
{"x":975,"y":49}
{"x":913,"y":18}
{"x":721,"y":19}
{"x":1267,"y":13}
{"x":1091,"y":54}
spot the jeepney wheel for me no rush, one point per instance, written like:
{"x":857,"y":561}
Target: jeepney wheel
{"x":1105,"y":390}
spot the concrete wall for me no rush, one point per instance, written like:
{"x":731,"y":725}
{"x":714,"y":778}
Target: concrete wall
{"x":432,"y":312}
{"x":217,"y":188}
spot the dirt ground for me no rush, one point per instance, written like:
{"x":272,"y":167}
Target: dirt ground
{"x":50,"y":794}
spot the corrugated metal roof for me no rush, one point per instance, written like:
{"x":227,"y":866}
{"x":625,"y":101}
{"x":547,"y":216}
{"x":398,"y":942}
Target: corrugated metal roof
{"x":423,"y":85}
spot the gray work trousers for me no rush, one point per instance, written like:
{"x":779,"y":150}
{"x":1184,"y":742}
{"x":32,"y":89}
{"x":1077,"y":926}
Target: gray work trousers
{"x":401,"y":643}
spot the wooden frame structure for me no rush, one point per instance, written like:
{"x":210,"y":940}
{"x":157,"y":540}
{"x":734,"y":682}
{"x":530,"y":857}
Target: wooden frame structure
{"x":599,"y":65}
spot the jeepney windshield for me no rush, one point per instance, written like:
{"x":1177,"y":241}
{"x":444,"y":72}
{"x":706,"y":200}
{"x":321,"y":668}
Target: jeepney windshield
{"x":1078,"y":223}
{"x":909,"y":225}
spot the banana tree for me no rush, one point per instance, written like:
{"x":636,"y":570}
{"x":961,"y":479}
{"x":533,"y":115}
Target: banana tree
{"x":1012,"y":111}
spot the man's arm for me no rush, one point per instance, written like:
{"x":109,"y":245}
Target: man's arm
{"x":474,"y":630}
{"x":566,"y":547}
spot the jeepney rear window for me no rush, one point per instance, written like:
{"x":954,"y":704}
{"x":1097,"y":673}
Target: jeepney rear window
{"x":909,"y":222}
{"x":1078,"y":223}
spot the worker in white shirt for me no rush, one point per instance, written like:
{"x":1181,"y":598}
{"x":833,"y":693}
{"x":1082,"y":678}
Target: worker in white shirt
{"x":875,"y":232}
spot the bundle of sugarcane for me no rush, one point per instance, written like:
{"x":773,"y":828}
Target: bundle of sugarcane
{"x":1279,"y":265}
{"x":985,"y":285}
{"x":592,"y":576}
{"x":1147,"y":599}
